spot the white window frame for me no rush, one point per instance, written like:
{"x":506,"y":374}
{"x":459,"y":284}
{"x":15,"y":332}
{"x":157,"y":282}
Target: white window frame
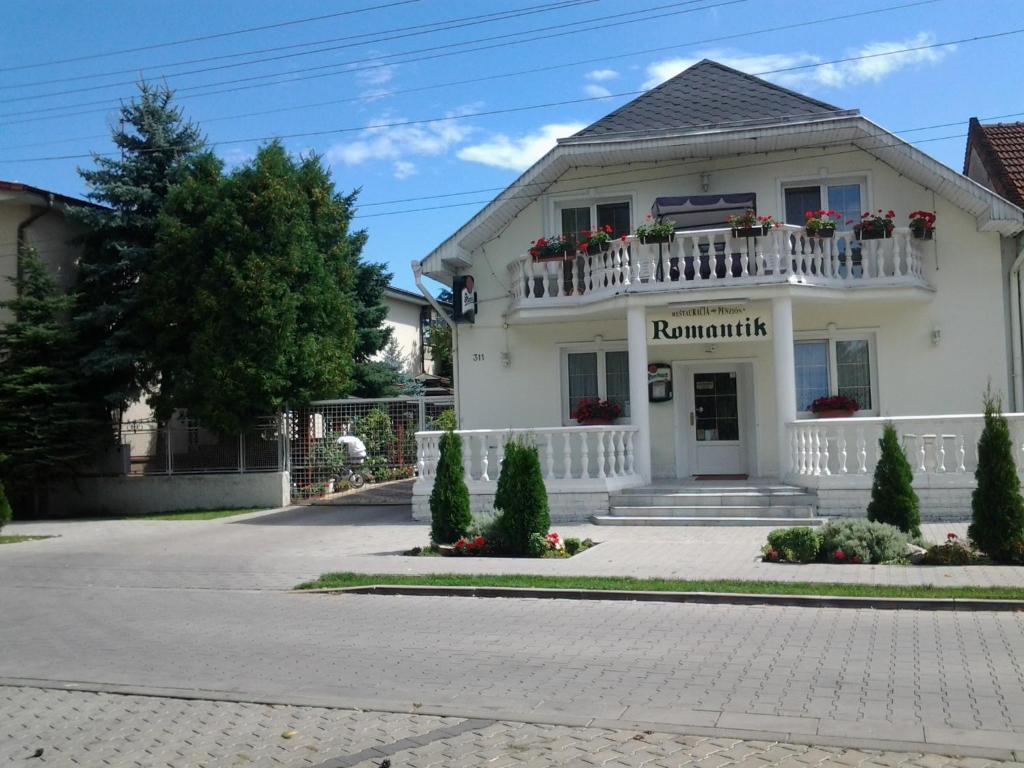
{"x":602,"y":373}
{"x":831,"y":337}
{"x":862,"y":178}
{"x":575,"y":200}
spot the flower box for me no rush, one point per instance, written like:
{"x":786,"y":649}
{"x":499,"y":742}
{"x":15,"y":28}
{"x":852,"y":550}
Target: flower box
{"x":873,"y":235}
{"x":835,"y":407}
{"x":593,"y":412}
{"x":749,"y":231}
{"x":584,"y":248}
{"x":656,"y":239}
{"x":834,"y":414}
{"x":596,"y":422}
{"x":825,"y":233}
{"x":922,"y":234}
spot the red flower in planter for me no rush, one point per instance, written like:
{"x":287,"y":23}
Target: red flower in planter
{"x":589,"y":410}
{"x":856,"y":560}
{"x":839,"y":556}
{"x":835,"y":403}
{"x":950,"y":536}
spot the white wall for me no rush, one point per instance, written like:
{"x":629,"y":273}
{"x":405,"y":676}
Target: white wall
{"x":404,"y":320}
{"x":915,"y":376}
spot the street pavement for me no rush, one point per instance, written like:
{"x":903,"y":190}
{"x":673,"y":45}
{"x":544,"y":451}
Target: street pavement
{"x":201,"y":610}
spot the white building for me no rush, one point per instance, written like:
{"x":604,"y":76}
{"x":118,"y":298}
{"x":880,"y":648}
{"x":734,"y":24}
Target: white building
{"x":408,"y":317}
{"x":750,"y":330}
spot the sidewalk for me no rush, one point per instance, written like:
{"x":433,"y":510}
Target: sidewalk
{"x":94,"y":729}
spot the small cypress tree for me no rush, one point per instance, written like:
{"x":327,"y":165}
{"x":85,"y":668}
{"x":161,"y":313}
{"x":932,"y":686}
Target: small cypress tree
{"x":450,"y":517}
{"x":997,"y":509}
{"x":5,"y":508}
{"x":521,"y":498}
{"x":893,"y":500}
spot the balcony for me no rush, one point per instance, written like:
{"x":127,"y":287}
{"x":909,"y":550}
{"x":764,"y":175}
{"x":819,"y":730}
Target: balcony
{"x":714,"y":258}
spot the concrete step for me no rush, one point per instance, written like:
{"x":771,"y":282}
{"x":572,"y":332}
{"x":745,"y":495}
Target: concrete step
{"x":777,"y":522}
{"x":788,"y":512}
{"x":652,"y":498}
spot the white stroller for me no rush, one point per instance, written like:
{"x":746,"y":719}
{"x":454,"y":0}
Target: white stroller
{"x":355,"y":450}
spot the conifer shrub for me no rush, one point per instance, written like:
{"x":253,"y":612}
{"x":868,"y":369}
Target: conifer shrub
{"x":795,"y":545}
{"x":450,"y":518}
{"x":521,"y":499}
{"x":863,"y":541}
{"x":997,"y":509}
{"x":5,"y":508}
{"x":893,"y":499}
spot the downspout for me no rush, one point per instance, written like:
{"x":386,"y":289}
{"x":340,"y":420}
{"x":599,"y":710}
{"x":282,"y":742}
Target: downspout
{"x":22,"y":246}
{"x":417,"y":271}
{"x":1016,"y":276}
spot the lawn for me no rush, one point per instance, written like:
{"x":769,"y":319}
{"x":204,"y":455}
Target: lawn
{"x":196,"y":514}
{"x":338,"y":580}
{"x":19,"y":539}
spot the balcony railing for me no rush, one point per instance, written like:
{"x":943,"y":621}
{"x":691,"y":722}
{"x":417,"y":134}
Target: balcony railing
{"x":713,"y":257}
{"x":571,"y":458}
{"x":939,"y":448}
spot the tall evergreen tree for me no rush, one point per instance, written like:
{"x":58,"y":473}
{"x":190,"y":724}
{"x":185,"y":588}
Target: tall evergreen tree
{"x":154,"y":141}
{"x":893,"y":499}
{"x":997,"y":509}
{"x":48,"y":425}
{"x":370,"y":377}
{"x":250,"y":301}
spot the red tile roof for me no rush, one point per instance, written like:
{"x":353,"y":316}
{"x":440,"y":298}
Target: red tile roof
{"x":1001,"y":149}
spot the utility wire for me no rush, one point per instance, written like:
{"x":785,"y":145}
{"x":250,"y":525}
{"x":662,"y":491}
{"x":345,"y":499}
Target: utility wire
{"x":503,"y":75}
{"x":564,"y":4}
{"x":528,"y":107}
{"x":201,"y":38}
{"x":380,"y":61}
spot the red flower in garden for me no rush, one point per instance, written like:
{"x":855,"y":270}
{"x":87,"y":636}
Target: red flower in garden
{"x":839,"y":555}
{"x":950,"y":536}
{"x":856,"y":560}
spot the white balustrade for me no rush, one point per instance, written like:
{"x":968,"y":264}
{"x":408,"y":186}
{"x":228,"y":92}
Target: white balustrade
{"x":713,"y":256}
{"x":934,"y":445}
{"x":568,"y":455}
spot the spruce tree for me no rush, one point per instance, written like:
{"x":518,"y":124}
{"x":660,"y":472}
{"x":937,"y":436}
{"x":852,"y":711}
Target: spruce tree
{"x":450,"y":516}
{"x":893,"y":499}
{"x":370,"y":377}
{"x":521,"y":498}
{"x":153,"y":140}
{"x":48,"y":424}
{"x":997,"y":509}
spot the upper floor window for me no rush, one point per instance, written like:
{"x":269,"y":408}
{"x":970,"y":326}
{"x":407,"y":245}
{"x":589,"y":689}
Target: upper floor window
{"x":576,"y":219}
{"x":846,"y":198}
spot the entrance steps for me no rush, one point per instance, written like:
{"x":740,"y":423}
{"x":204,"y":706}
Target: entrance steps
{"x":743,"y":503}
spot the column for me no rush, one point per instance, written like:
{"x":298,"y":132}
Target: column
{"x":639,"y":408}
{"x":785,"y":375}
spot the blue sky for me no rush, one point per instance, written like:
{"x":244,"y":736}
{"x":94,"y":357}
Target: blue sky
{"x":343,"y":73}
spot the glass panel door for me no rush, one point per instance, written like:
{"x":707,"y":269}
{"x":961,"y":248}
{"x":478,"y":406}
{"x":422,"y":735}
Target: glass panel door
{"x":716,"y":407}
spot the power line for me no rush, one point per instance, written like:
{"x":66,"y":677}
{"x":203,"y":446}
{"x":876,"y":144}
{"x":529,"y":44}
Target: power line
{"x":201,"y":38}
{"x":529,"y":107}
{"x":534,"y":70}
{"x":379,"y":62}
{"x":504,"y":16}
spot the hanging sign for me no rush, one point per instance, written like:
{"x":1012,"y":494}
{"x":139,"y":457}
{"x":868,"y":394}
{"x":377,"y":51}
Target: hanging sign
{"x":710,"y":323}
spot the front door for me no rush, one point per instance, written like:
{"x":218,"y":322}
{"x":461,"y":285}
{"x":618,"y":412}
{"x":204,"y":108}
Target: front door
{"x":715,"y":423}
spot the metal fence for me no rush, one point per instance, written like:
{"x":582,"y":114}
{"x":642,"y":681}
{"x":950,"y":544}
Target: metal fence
{"x":387,"y":426}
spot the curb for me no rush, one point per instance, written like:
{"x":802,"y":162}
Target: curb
{"x":704,"y":598}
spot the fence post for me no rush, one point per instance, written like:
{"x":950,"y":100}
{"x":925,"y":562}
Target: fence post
{"x":422,"y":413}
{"x":170,"y":454}
{"x":241,"y":452}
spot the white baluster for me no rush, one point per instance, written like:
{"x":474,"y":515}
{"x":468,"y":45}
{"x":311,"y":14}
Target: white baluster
{"x":584,"y":456}
{"x":744,"y":258}
{"x":499,"y":457}
{"x":485,"y":458}
{"x":549,"y":456}
{"x":961,"y":454}
{"x":862,"y":452}
{"x":627,"y":266}
{"x":816,"y":458}
{"x":940,"y":453}
{"x":467,"y":455}
{"x":600,"y":454}
{"x":842,"y":451}
{"x":921,"y":454}
{"x":804,"y":465}
{"x":824,"y":455}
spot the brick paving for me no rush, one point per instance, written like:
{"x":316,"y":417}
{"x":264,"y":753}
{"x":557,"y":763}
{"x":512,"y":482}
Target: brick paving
{"x":98,"y":729}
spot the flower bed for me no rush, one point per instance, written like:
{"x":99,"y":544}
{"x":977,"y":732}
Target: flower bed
{"x":478,"y":545}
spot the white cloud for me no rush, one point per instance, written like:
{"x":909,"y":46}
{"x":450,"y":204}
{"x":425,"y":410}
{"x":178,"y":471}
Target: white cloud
{"x":404,"y":169}
{"x":376,"y":74}
{"x":844,"y":73}
{"x":596,"y":91}
{"x":381,"y":140}
{"x":601,"y":75}
{"x":517,"y":154}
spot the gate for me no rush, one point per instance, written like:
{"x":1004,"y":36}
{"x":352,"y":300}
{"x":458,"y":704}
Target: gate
{"x":387,"y":426}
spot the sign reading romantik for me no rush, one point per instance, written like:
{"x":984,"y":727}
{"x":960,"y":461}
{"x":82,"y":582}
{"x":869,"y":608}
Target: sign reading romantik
{"x":713,"y":323}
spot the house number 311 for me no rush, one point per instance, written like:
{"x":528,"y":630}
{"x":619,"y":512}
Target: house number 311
{"x":478,"y":357}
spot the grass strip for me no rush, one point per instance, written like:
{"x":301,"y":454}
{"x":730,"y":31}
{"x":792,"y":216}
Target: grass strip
{"x":19,"y":539}
{"x":196,"y":514}
{"x":829,"y":589}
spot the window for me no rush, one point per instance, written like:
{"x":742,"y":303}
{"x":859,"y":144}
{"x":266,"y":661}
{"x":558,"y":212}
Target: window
{"x":602,"y":374}
{"x":834,"y":366}
{"x":846,"y":199}
{"x":575,"y":218}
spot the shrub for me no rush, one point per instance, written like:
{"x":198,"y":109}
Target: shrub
{"x":796,"y":545}
{"x":5,"y":508}
{"x":450,"y":517}
{"x":445,"y":421}
{"x":521,"y":498}
{"x":952,"y":552}
{"x":997,"y":510}
{"x":537,"y":545}
{"x":572,"y":546}
{"x":893,"y":500}
{"x":865,"y":541}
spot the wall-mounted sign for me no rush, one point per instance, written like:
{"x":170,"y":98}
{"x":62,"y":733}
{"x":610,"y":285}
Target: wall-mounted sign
{"x":710,"y":323}
{"x":464,"y":299}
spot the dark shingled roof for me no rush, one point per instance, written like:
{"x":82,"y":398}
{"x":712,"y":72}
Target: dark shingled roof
{"x":1001,"y":149}
{"x":707,"y":94}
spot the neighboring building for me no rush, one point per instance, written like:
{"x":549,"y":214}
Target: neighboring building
{"x":995,"y":158}
{"x":35,"y":218}
{"x":749,"y":330}
{"x":408,"y":317}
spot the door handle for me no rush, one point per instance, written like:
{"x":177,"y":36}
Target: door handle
{"x":691,"y":418}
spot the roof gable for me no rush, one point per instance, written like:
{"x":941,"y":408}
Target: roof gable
{"x":705,"y":95}
{"x":1000,"y":147}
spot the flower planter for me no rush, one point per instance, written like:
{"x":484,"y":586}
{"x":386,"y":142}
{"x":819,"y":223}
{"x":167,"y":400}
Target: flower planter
{"x":834,"y":414}
{"x":601,"y":248}
{"x":562,"y":257}
{"x":922,"y":234}
{"x":656,"y":239}
{"x":596,"y":422}
{"x":749,"y":231}
{"x":873,"y":235}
